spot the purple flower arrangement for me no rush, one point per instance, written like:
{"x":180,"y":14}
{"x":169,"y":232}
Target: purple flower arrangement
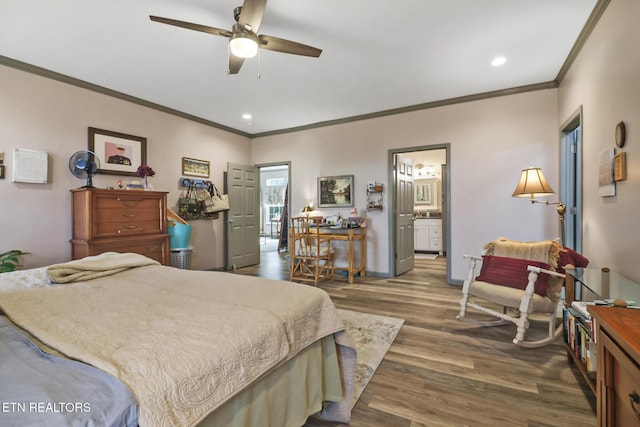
{"x":145,"y":171}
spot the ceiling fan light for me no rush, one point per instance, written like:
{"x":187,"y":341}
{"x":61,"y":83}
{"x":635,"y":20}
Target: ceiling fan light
{"x":243,"y":45}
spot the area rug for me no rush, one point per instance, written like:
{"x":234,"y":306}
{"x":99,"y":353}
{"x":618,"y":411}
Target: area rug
{"x":372,"y":336}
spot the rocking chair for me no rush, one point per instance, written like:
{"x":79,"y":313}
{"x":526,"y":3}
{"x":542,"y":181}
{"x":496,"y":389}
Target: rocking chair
{"x":516,"y":275}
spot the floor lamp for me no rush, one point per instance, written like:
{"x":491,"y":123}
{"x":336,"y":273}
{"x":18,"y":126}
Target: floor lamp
{"x":532,"y":184}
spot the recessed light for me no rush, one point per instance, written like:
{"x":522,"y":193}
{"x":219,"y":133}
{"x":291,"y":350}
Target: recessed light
{"x":246,"y":116}
{"x":500,"y":60}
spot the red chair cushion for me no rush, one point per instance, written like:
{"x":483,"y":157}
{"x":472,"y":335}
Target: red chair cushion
{"x":512,"y":272}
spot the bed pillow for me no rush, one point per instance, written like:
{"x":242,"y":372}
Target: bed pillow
{"x":512,"y":272}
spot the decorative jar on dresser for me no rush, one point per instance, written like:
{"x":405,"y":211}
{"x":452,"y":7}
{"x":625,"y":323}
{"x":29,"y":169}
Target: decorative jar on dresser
{"x":119,"y":221}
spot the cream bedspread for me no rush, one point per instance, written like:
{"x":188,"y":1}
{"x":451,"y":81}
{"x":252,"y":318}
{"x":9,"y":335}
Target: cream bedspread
{"x":183,"y":341}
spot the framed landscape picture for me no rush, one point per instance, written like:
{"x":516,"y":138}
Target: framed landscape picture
{"x":195,"y":167}
{"x":335,"y":191}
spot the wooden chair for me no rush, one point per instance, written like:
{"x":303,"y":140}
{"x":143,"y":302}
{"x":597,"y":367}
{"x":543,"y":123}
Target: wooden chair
{"x":311,"y":254}
{"x":516,"y":275}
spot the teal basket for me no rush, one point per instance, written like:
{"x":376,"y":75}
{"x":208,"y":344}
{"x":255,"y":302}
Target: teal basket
{"x":179,"y":236}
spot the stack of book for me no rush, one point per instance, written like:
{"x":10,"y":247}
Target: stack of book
{"x":578,"y":333}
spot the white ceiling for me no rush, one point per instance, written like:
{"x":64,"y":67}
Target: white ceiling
{"x":377,"y":55}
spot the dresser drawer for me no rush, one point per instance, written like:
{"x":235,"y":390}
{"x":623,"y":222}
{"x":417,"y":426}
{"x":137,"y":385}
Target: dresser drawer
{"x":132,"y":226}
{"x":435,"y":244}
{"x":153,"y":248}
{"x":133,"y":201}
{"x":126,"y":214}
{"x":435,"y":232}
{"x":626,"y":383}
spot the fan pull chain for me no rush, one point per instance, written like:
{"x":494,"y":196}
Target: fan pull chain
{"x":259,"y":64}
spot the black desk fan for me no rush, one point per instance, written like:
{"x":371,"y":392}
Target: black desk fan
{"x":84,"y":164}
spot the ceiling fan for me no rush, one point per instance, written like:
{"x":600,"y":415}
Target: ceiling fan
{"x":243,"y":40}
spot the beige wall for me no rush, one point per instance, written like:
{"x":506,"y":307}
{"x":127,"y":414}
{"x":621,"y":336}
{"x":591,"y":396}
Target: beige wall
{"x":605,"y":81}
{"x":43,"y":114}
{"x":491,"y":142}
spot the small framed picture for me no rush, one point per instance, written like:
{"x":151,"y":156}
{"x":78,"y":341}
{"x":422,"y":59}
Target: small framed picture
{"x":620,"y":166}
{"x":335,"y":191}
{"x":195,"y":167}
{"x":119,"y":153}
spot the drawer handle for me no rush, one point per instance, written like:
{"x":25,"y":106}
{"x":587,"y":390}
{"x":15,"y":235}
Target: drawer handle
{"x":129,"y":227}
{"x":130,"y":214}
{"x":152,"y":248}
{"x":634,"y":399}
{"x":129,"y":202}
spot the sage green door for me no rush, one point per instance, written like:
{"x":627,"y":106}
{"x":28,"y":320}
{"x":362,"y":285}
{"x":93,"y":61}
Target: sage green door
{"x":404,"y":215}
{"x":243,"y":220}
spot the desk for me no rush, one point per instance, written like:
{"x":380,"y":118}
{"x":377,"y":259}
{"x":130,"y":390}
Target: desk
{"x":587,"y":284}
{"x":351,"y":235}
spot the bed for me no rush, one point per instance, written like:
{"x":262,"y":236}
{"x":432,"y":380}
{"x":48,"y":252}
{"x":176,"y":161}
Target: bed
{"x":192,"y":347}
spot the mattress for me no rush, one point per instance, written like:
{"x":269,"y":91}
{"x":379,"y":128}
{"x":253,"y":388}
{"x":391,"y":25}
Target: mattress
{"x":229,"y":333}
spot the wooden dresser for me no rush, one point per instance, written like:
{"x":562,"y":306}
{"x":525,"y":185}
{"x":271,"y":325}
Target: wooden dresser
{"x":119,"y":221}
{"x":618,"y":378}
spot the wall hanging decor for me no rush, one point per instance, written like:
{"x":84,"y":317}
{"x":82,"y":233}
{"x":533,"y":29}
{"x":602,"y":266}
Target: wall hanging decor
{"x":121,"y":154}
{"x":620,"y":166}
{"x":621,"y":134}
{"x":335,"y":191}
{"x":195,"y":167}
{"x":606,"y":183}
{"x":30,"y":166}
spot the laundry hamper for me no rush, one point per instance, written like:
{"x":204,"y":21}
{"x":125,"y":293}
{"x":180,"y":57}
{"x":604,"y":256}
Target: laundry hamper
{"x":181,"y":258}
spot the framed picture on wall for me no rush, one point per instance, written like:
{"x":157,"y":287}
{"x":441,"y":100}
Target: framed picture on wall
{"x":620,"y":166}
{"x":195,"y":167}
{"x":425,"y":192}
{"x":606,"y":181}
{"x":335,"y":191}
{"x":119,"y":153}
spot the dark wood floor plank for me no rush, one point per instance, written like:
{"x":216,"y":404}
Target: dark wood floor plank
{"x":444,"y":372}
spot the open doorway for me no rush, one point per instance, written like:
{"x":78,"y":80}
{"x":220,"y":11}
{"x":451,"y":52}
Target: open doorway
{"x":571,"y":179}
{"x":430,"y":195}
{"x":274,"y":194}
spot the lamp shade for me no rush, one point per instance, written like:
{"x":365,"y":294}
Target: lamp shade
{"x":243,"y":44}
{"x":532,"y":184}
{"x":307,"y":209}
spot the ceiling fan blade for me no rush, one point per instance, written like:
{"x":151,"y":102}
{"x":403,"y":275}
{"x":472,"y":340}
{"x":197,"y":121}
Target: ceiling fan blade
{"x":191,"y":26}
{"x":287,"y":46}
{"x":234,"y":63}
{"x":252,"y":13}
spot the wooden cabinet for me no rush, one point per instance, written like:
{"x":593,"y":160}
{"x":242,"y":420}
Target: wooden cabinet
{"x":428,"y":235}
{"x":618,"y":379}
{"x":119,"y":221}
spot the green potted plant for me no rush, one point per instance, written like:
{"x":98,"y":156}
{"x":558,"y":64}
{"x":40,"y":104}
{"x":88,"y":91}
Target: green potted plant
{"x":9,"y":260}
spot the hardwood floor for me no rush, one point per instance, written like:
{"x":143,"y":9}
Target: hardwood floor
{"x":444,"y":372}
